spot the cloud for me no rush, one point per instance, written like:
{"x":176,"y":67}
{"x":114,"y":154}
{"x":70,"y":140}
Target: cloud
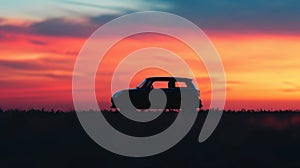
{"x":42,"y":68}
{"x":93,"y":5}
{"x":121,"y":7}
{"x":290,"y":90}
{"x":21,"y":65}
{"x":291,"y":87}
{"x":249,"y":16}
{"x":102,"y":19}
{"x":234,"y":82}
{"x":289,"y":83}
{"x":50,"y":75}
{"x":208,"y":92}
{"x":57,"y":27}
{"x":62,"y":27}
{"x":38,"y":65}
{"x":255,"y":16}
{"x":12,"y":29}
{"x":242,"y":16}
{"x":2,"y":36}
{"x":38,"y":42}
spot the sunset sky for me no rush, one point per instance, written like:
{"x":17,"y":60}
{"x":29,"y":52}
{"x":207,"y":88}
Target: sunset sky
{"x":258,"y":42}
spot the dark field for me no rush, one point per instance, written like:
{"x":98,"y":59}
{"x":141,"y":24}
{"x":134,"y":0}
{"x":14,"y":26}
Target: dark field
{"x":36,"y":138}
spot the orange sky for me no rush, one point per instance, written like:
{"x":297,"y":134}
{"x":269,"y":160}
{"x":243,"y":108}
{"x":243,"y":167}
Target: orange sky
{"x":260,"y":68}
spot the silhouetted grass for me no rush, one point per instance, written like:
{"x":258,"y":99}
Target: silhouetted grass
{"x":245,"y":138}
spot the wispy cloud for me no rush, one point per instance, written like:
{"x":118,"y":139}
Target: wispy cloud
{"x":21,"y":65}
{"x":39,"y":10}
{"x":38,"y":65}
{"x":38,"y":42}
{"x":111,"y":6}
{"x":290,"y":87}
{"x":290,"y":90}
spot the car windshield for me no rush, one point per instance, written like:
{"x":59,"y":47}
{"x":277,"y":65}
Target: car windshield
{"x":141,"y":85}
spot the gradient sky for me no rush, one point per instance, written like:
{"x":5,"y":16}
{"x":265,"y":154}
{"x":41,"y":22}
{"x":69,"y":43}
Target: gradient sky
{"x":258,"y":41}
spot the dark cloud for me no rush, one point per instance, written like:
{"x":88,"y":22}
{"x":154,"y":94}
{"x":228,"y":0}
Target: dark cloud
{"x":269,"y":16}
{"x":37,"y":65}
{"x":2,"y":36}
{"x":37,"y":42}
{"x":49,"y":75}
{"x":59,"y":27}
{"x":102,"y":19}
{"x":234,"y":16}
{"x":247,"y":16}
{"x":38,"y":68}
{"x":17,"y":83}
{"x":12,"y":29}
{"x":9,"y":32}
{"x":52,"y":27}
{"x":21,"y":65}
{"x":62,"y":27}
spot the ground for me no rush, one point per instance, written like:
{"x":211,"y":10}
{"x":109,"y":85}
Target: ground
{"x":36,"y":138}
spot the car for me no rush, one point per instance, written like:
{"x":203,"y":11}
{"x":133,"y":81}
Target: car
{"x":173,"y":87}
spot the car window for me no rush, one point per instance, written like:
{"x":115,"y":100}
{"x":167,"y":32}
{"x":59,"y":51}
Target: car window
{"x":160,"y":84}
{"x":180,"y":84}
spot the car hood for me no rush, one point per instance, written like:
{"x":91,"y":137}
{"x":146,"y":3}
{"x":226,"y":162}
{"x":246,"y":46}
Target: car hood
{"x":123,"y":91}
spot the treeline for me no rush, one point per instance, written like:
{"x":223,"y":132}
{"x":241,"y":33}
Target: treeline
{"x":58,"y":111}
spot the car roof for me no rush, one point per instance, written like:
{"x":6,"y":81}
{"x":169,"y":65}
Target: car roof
{"x":162,"y":78}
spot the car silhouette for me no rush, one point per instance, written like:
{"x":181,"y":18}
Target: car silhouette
{"x":173,"y":87}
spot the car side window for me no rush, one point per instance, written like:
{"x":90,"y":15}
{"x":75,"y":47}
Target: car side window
{"x":160,"y":84}
{"x":180,"y":84}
